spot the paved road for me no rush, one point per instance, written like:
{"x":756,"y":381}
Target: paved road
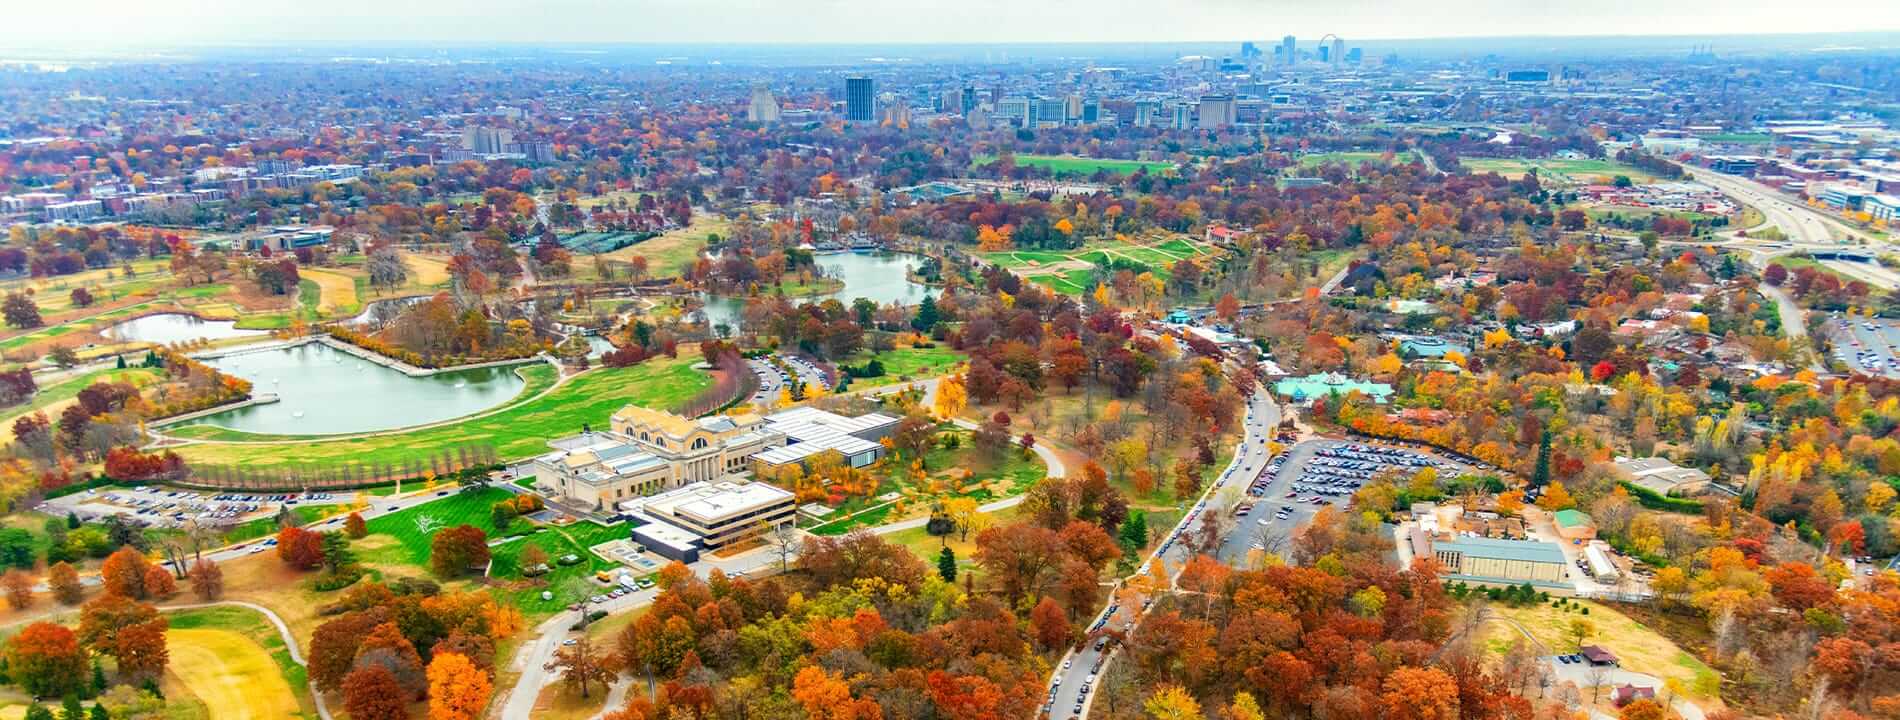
{"x":1802,"y":224}
{"x":1079,"y":667}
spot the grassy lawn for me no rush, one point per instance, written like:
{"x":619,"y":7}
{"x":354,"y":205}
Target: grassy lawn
{"x":1352,"y":158}
{"x":907,"y":363}
{"x":672,"y":253}
{"x":518,"y":431}
{"x":236,"y":661}
{"x":1073,"y":165}
{"x":1639,"y":648}
{"x":1056,"y":269}
{"x":472,"y":508}
{"x":537,"y":379}
{"x":927,"y":547}
{"x":54,"y":398}
{"x":336,"y":291}
{"x":1581,"y":172}
{"x":1067,"y":282}
{"x":1013,"y":474}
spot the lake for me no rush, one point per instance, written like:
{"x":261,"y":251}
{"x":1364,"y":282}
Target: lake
{"x":168,"y":328}
{"x":883,"y":278}
{"x":324,"y":391}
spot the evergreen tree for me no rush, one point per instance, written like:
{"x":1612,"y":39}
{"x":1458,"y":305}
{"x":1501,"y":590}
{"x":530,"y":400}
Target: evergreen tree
{"x":72,"y":520}
{"x":37,"y":712}
{"x":1134,"y":532}
{"x":99,"y":712}
{"x":71,"y":709}
{"x":927,"y":316}
{"x":947,"y":565}
{"x":1541,"y":475}
{"x":98,"y":678}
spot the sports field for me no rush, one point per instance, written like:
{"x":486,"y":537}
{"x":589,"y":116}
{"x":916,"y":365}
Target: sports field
{"x":518,"y":430}
{"x":1580,"y":172}
{"x":1082,"y":166}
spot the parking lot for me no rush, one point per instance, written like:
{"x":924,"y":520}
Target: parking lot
{"x":772,"y":379}
{"x":1300,"y":481}
{"x":1867,"y":346}
{"x":162,"y":507}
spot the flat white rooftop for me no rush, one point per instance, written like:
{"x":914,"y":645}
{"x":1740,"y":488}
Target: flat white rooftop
{"x":708,"y":504}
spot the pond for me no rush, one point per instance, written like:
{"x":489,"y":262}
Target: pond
{"x":883,"y":278}
{"x":323,"y":391}
{"x":167,"y":328}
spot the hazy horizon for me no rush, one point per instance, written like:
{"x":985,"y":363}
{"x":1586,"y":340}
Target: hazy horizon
{"x":124,"y":26}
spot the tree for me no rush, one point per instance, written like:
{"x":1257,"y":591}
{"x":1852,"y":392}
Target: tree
{"x":45,"y":659}
{"x":372,"y":693}
{"x":20,"y":311}
{"x":1050,"y":624}
{"x":825,"y":696}
{"x":1578,"y":632}
{"x":128,"y":630}
{"x":580,"y":667}
{"x":299,"y":548}
{"x":19,"y":589}
{"x":1540,"y":476}
{"x":1642,"y":709}
{"x":159,"y":583}
{"x":63,"y":580}
{"x":947,"y":564}
{"x":1413,"y":693}
{"x":207,"y":580}
{"x":355,"y":527}
{"x":81,"y":297}
{"x":458,"y":551}
{"x":1227,"y":306}
{"x":333,"y":646}
{"x":951,"y":397}
{"x":458,"y":690}
{"x":124,"y":573}
{"x":1172,"y":702}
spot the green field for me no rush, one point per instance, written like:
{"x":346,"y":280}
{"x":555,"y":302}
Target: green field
{"x":1581,"y":172}
{"x":472,"y":508}
{"x":1073,"y":165}
{"x":517,"y":431}
{"x":60,"y":392}
{"x":907,"y":362}
{"x":1353,"y":157}
{"x":1070,"y":282}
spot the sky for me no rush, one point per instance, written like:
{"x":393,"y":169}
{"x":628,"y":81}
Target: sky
{"x":95,"y":25}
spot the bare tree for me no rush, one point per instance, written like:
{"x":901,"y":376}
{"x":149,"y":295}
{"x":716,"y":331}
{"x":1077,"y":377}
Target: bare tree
{"x":784,"y":539}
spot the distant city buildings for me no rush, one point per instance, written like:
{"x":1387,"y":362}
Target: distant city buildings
{"x":763,"y":108}
{"x":860,"y":100}
{"x":484,"y":140}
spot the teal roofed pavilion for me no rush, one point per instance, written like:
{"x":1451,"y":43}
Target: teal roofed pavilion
{"x":1303,"y":389}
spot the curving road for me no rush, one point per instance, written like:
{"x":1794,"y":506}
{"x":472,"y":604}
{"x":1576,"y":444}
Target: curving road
{"x":1079,"y":668}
